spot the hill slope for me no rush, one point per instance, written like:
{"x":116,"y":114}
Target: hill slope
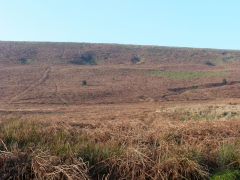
{"x":52,"y":73}
{"x":110,"y":54}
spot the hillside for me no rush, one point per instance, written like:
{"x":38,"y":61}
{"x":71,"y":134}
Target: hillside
{"x":104,"y":111}
{"x":52,"y":73}
{"x":110,"y":54}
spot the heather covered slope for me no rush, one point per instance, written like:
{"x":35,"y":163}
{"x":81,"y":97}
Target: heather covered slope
{"x":111,"y":54}
{"x":52,"y":73}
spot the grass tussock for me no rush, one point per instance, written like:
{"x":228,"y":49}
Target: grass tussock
{"x":118,"y":150}
{"x":39,"y":149}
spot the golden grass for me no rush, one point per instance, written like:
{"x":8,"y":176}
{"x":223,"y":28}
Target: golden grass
{"x":200,"y":112}
{"x":151,"y":148}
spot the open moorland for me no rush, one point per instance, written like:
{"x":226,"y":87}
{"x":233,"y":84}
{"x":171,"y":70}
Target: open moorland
{"x":108,"y":111}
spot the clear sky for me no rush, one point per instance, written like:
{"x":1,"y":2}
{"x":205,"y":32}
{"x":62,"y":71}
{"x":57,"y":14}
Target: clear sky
{"x":188,"y":23}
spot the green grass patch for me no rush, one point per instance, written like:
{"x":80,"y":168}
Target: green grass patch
{"x":182,"y":75}
{"x":226,"y":175}
{"x":26,"y":61}
{"x":229,"y":156}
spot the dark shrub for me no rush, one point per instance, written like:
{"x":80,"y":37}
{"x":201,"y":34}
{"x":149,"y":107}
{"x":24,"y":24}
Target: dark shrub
{"x":224,"y":81}
{"x":135,"y":59}
{"x":224,"y":53}
{"x":87,"y":58}
{"x":84,"y":82}
{"x":196,"y":87}
{"x":23,"y":60}
{"x":210,"y":63}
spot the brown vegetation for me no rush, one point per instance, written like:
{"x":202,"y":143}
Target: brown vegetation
{"x":146,"y":146}
{"x":140,"y":112}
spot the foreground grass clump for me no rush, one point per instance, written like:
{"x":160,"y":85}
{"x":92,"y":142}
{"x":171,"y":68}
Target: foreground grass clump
{"x":39,"y":149}
{"x":117,"y":150}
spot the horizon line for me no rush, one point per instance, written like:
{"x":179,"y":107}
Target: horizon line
{"x":123,"y":44}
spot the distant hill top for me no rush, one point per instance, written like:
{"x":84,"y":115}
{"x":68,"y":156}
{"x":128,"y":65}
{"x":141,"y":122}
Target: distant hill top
{"x":109,"y":54}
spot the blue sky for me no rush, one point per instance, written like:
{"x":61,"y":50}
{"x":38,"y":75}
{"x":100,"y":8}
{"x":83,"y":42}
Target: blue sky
{"x":188,"y":23}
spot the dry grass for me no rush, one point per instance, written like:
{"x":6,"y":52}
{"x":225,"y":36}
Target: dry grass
{"x":200,"y":112}
{"x":148,"y":148}
{"x":52,"y":127}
